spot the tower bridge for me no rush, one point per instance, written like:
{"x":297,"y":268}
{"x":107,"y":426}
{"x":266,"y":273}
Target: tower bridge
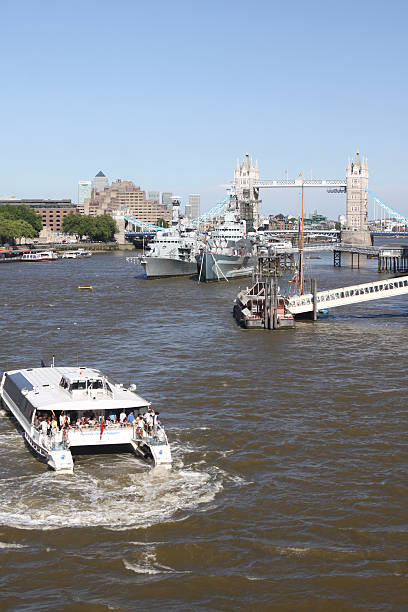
{"x":246,"y":186}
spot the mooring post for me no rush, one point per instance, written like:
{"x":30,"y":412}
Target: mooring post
{"x":270,"y":290}
{"x":275,"y":303}
{"x":265,"y":284}
{"x":314,"y":294}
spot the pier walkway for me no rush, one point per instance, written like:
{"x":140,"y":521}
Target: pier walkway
{"x":344,"y":296}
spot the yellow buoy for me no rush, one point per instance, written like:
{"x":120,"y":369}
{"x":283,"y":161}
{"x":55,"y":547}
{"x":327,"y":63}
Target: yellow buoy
{"x":82,"y":287}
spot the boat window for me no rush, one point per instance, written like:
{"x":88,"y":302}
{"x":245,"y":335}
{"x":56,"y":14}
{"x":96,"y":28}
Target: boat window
{"x":78,"y":384}
{"x":95,"y":384}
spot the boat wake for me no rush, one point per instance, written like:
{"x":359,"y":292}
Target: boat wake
{"x":117,"y":495}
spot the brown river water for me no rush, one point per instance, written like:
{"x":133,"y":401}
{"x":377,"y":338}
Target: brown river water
{"x":289,"y":484}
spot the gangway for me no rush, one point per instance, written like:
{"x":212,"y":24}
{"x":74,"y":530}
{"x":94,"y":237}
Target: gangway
{"x":344,"y":296}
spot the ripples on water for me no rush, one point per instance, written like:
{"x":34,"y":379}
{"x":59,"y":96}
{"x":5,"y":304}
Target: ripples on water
{"x":288,"y":489}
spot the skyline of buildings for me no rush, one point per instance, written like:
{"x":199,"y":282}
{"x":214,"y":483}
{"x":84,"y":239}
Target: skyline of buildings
{"x":97,"y":196}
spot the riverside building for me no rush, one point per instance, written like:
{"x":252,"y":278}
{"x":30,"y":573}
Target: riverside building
{"x":52,"y":212}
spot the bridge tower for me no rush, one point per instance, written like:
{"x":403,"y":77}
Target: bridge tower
{"x":356,"y":231}
{"x":247,"y":195}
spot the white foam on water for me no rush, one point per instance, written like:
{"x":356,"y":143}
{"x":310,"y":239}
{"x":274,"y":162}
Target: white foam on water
{"x":293,"y":551}
{"x":146,"y":544}
{"x":11,"y":545}
{"x":115,"y":497}
{"x":148,"y":564}
{"x":139,"y":569}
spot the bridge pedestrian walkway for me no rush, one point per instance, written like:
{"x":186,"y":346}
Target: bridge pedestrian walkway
{"x":353,"y":294}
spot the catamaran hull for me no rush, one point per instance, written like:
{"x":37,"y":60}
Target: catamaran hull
{"x":215,"y":266}
{"x":59,"y":460}
{"x":159,"y":267}
{"x":152,"y":453}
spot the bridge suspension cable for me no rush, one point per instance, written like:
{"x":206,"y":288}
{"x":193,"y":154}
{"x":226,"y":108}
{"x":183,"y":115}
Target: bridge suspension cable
{"x":215,"y":211}
{"x":144,"y":225}
{"x":388,"y":209}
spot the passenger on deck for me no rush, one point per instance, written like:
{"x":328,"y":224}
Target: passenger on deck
{"x":139,"y":426}
{"x":54,"y":427}
{"x":61,"y":419}
{"x":156,"y":422}
{"x":44,"y":429}
{"x":122,"y":417}
{"x":150,"y":421}
{"x":131,"y":417}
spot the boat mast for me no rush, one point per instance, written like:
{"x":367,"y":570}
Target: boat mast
{"x":300,"y":278}
{"x":301,"y":262}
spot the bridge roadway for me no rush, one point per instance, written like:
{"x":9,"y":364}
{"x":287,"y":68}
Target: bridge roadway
{"x":328,"y":183}
{"x":353,"y":294}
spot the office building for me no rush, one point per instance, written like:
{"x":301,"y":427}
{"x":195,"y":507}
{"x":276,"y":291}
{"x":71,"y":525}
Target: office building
{"x":100,"y":182}
{"x":154,"y":196}
{"x":126,"y":197}
{"x":194,"y":201}
{"x":166,"y":199}
{"x":187,"y":211}
{"x":84,"y":190}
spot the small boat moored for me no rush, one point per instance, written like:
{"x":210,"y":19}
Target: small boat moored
{"x":40,"y":256}
{"x":76,"y":254}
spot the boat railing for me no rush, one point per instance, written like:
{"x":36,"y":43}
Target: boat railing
{"x":157,"y":438}
{"x":55,"y":441}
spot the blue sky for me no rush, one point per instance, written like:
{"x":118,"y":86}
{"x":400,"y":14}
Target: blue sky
{"x":169,"y":94}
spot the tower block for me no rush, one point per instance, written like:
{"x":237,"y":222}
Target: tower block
{"x":247,"y":195}
{"x":356,"y":231}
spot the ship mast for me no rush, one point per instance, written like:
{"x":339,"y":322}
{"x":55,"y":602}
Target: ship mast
{"x":300,"y":278}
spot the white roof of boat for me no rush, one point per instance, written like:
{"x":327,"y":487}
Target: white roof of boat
{"x":47,"y":393}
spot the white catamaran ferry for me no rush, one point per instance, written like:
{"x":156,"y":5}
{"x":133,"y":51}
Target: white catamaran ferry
{"x":72,"y":410}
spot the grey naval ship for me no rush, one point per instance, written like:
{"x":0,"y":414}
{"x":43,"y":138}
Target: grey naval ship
{"x":228,"y":253}
{"x":173,"y":250}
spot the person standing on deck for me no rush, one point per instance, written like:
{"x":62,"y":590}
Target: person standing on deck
{"x":44,"y":430}
{"x":54,"y":429}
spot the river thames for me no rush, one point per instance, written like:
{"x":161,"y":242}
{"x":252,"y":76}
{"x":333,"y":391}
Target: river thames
{"x":289,"y":484}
